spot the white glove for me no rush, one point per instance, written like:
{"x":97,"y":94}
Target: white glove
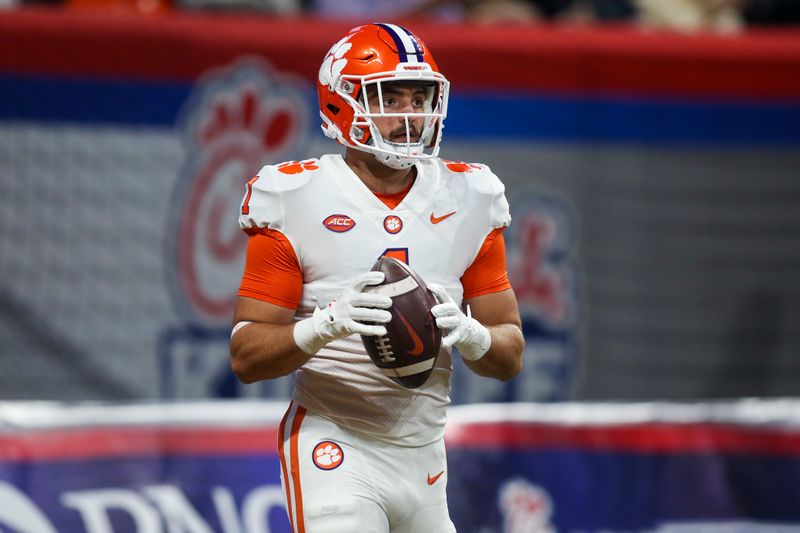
{"x":462,"y":331}
{"x":345,"y":315}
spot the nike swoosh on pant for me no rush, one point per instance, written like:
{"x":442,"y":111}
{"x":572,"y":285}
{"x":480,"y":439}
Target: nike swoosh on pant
{"x":434,"y":479}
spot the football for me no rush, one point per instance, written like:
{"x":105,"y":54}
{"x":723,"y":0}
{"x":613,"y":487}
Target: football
{"x":407,"y":353}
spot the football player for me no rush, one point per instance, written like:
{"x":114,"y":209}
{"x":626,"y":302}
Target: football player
{"x":360,"y":453}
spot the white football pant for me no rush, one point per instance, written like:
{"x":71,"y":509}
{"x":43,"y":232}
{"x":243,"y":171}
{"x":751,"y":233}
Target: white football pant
{"x":336,"y":481}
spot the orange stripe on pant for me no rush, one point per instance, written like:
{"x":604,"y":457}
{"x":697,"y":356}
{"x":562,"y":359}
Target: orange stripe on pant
{"x":282,"y":455}
{"x":294,"y":465}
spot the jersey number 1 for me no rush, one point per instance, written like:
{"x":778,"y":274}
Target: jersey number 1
{"x":401,"y":254}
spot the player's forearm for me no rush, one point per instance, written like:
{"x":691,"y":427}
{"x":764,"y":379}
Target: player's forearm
{"x":262,"y":351}
{"x":503,"y":360}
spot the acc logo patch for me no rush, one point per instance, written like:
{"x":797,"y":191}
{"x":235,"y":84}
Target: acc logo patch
{"x":339,"y":223}
{"x":327,"y":455}
{"x":392,"y":224}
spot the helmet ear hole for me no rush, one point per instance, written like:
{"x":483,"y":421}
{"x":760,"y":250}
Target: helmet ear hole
{"x":333,"y":109}
{"x":361,"y":134}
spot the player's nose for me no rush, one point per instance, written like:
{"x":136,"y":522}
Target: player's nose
{"x":406,"y":105}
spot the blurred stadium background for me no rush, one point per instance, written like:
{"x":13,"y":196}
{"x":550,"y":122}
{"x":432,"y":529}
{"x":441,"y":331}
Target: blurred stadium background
{"x":653,"y":168}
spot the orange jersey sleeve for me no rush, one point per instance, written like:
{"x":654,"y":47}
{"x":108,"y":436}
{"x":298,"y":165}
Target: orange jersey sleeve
{"x":271,"y":271}
{"x":487,"y":273}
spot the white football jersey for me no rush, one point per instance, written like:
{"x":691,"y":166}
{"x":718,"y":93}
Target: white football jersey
{"x":338,"y":229}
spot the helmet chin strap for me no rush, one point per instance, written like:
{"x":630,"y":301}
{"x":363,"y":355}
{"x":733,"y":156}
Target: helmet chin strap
{"x":393,"y":155}
{"x":397,"y":162}
{"x":398,"y":156}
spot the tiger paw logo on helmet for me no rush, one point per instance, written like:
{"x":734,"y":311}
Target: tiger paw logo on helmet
{"x":334,"y":63}
{"x":361,"y":64}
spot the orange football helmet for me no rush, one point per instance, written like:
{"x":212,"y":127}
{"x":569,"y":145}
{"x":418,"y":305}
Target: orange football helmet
{"x":370,"y":56}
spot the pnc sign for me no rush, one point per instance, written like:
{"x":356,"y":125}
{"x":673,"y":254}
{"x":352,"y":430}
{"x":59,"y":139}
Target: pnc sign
{"x":150,"y":509}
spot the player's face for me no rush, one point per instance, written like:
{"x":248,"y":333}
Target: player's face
{"x":398,"y":97}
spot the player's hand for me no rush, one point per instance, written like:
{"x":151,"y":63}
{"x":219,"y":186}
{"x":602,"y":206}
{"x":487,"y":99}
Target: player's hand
{"x":347,"y":313}
{"x":462,"y":331}
{"x":353,"y":311}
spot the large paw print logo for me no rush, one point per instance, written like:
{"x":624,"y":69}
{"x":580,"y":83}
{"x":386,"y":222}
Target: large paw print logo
{"x":237,"y":119}
{"x":245,"y":116}
{"x":296,"y":167}
{"x":334,"y":63}
{"x":327,"y":455}
{"x":460,"y":166}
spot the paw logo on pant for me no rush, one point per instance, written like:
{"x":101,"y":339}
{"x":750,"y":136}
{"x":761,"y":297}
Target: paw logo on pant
{"x":327,"y":455}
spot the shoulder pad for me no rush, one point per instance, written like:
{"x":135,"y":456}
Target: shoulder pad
{"x":480,"y":179}
{"x":457,"y":167}
{"x":286,"y":176}
{"x":263,"y":205}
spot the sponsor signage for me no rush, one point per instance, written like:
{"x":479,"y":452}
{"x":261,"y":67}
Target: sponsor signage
{"x":521,"y":468}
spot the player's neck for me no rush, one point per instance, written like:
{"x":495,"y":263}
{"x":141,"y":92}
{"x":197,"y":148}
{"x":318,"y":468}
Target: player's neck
{"x":378,"y":177}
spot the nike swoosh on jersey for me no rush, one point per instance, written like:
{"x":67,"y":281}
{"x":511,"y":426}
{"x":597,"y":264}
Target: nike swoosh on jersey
{"x":417,"y":350}
{"x":436,"y":220}
{"x":434,"y":479}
